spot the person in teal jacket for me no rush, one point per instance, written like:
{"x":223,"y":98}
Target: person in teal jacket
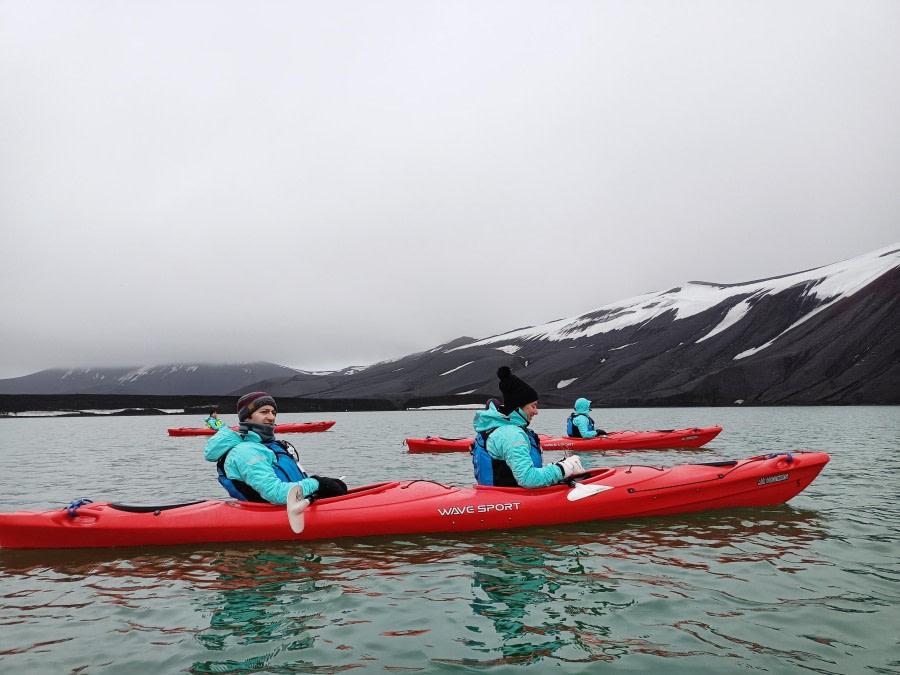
{"x":505,"y":451}
{"x":213,"y":421}
{"x":580,"y":424}
{"x":253,"y":466}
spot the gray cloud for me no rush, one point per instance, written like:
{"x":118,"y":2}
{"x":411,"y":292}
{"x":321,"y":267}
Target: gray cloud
{"x":323,"y":185}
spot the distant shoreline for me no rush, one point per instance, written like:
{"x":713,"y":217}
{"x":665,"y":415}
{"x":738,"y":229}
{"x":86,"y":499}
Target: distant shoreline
{"x":91,"y":405}
{"x":94,"y":405}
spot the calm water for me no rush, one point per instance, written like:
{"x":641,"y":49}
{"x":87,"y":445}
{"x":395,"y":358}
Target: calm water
{"x":807,"y":587}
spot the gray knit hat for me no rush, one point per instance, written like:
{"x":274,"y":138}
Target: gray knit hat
{"x":253,"y":401}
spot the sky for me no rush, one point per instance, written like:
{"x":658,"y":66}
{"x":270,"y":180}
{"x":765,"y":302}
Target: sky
{"x":326,"y":184}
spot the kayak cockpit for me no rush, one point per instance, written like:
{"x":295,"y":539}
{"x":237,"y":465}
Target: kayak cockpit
{"x":133,"y":508}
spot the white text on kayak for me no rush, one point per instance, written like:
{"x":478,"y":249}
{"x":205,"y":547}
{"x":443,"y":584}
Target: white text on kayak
{"x":481,"y":508}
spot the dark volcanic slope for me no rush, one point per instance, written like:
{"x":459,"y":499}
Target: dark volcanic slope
{"x":828,"y":335}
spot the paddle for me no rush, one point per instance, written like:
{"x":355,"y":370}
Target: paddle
{"x":580,"y":490}
{"x":296,"y":505}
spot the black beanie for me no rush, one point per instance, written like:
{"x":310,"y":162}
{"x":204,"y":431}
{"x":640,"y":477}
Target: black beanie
{"x":516,"y":393}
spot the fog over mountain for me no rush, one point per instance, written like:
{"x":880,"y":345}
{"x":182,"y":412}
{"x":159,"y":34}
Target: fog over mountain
{"x":826,"y":335}
{"x":158,"y":380}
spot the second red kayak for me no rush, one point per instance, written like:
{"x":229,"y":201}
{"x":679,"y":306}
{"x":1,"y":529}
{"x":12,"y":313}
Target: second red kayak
{"x":693,"y":437}
{"x":298,"y":428}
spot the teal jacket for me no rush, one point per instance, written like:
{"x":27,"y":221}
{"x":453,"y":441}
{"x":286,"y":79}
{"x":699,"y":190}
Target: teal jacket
{"x":510,"y":443}
{"x":583,"y":406}
{"x":214,"y":422}
{"x":251,"y":461}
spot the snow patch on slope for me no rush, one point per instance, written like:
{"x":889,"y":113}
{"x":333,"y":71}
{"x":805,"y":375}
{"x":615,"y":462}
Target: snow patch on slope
{"x":453,"y":370}
{"x":735,"y":314}
{"x":826,"y":284}
{"x":135,"y":374}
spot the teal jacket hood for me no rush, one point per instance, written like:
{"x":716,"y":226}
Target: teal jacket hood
{"x":492,"y":418}
{"x":583,"y":406}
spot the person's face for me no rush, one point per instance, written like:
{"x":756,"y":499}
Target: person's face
{"x":264,"y":415}
{"x":530,"y":410}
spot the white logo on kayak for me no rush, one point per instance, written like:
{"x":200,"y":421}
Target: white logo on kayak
{"x":481,"y":508}
{"x":689,"y":438}
{"x":772,"y":479}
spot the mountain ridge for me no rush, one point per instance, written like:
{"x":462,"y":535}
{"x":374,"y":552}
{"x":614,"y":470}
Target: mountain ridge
{"x":826,"y":335}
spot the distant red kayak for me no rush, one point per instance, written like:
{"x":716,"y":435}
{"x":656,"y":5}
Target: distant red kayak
{"x":298,"y":428}
{"x":693,"y":437}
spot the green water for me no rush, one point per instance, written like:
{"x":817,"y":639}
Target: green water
{"x":811,"y":586}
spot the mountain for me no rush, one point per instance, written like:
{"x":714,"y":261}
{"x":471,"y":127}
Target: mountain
{"x":823,"y":336}
{"x":169,"y":379}
{"x":826,"y":335}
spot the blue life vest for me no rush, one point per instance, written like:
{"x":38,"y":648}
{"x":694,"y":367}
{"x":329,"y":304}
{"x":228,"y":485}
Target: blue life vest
{"x":285,"y":468}
{"x":574,"y":431}
{"x":490,"y":471}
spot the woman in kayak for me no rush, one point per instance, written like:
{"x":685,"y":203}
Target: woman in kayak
{"x":213,"y":421}
{"x":253,"y":466}
{"x":580,"y":424}
{"x":506,"y":452}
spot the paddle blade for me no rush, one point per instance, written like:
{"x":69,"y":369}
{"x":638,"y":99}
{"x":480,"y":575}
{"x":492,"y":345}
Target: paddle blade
{"x":580,"y":491}
{"x":296,"y":505}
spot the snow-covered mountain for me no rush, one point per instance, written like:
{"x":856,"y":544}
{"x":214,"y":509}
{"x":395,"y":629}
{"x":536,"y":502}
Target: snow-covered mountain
{"x":826,"y":335}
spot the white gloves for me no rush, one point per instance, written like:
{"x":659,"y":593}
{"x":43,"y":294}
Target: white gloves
{"x":571,"y":466}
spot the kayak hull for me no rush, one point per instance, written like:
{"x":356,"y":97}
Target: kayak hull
{"x":297,"y":428}
{"x":419,"y":507}
{"x":693,"y":437}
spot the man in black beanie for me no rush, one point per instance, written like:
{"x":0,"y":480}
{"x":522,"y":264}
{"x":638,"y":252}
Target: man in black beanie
{"x":506,"y":452}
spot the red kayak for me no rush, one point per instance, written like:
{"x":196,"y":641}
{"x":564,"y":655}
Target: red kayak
{"x":422,"y":506}
{"x":298,"y":428}
{"x":615,"y":440}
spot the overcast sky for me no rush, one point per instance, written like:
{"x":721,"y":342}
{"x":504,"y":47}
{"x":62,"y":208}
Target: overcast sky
{"x":324,"y":184}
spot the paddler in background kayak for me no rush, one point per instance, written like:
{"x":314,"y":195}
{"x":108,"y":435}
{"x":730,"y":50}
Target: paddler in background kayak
{"x":253,"y":466}
{"x":506,"y":452}
{"x":213,"y":421}
{"x":580,"y":424}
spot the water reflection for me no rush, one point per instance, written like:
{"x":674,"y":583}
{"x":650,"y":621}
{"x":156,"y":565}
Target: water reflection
{"x":264,"y":599}
{"x":573,"y":594}
{"x":561,"y":598}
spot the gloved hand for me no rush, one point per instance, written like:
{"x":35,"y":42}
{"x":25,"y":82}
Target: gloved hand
{"x":571,"y":466}
{"x":600,"y":432}
{"x":330,"y":487}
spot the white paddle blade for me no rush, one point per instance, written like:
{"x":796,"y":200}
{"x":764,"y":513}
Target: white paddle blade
{"x":296,"y":505}
{"x":580,"y":491}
